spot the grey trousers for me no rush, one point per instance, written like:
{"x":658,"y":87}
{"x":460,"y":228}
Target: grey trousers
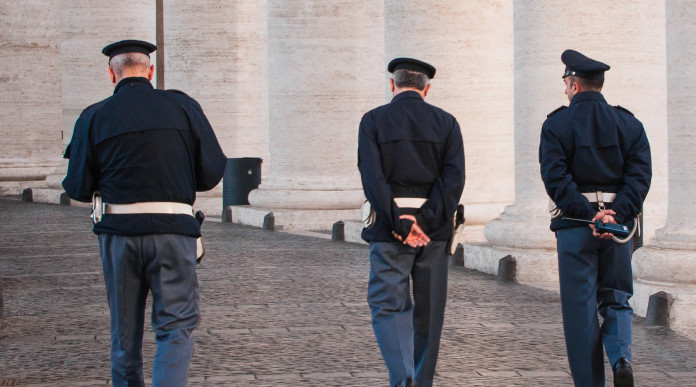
{"x":165,"y":265}
{"x":408,"y":331}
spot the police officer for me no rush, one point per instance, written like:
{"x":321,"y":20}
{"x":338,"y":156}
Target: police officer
{"x":411,"y":160}
{"x":146,"y":152}
{"x":595,"y":164}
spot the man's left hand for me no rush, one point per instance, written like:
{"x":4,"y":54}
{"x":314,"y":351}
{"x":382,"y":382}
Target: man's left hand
{"x":604,"y":216}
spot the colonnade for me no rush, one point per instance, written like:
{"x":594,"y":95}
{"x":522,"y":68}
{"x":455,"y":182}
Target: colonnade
{"x":289,"y":81}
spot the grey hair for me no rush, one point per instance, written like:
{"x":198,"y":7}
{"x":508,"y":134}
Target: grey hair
{"x":407,"y":78}
{"x":129,"y":59}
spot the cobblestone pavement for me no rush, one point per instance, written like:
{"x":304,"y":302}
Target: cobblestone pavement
{"x":278,"y":309}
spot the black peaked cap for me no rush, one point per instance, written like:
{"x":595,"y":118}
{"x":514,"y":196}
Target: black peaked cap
{"x":413,"y":65}
{"x":581,"y":66}
{"x":125,"y":46}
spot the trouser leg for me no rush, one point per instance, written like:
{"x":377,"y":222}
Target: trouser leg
{"x":171,"y":273}
{"x":127,"y":293}
{"x":615,"y":289}
{"x":577,"y":268}
{"x":430,"y":296}
{"x":390,"y":303}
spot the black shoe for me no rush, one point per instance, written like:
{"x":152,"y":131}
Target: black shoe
{"x":408,"y":382}
{"x":623,"y":373}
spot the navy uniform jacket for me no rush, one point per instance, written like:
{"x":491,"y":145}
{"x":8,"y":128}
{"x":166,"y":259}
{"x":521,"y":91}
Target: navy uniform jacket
{"x":409,"y":148}
{"x":592,"y":146}
{"x":143,"y":145}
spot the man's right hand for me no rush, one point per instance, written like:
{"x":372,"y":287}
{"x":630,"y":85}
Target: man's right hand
{"x":415,"y":238}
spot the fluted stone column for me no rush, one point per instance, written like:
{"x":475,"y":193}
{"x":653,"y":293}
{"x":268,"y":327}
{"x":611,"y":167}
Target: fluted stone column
{"x":470,"y":44}
{"x":85,"y":28}
{"x":634,"y":47}
{"x":326,"y":69}
{"x":30,"y":114}
{"x":668,"y":263}
{"x":216,"y":51}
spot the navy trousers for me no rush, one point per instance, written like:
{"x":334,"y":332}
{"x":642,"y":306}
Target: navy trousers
{"x":165,"y":265}
{"x":595,"y":277}
{"x":408,"y":331}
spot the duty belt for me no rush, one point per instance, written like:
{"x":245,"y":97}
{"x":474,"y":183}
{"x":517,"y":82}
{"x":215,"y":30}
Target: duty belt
{"x":600,"y":198}
{"x":410,"y":202}
{"x":149,"y":208}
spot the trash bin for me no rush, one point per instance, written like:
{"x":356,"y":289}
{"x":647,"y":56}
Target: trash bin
{"x":242,"y":175}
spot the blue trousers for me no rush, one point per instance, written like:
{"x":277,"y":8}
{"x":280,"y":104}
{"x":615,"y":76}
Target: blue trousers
{"x":408,"y":331}
{"x":595,"y":277}
{"x":165,"y":265}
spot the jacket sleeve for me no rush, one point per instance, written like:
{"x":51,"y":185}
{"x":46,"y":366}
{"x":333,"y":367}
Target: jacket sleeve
{"x":636,"y":181}
{"x":447,"y":189}
{"x":375,"y":186}
{"x":80,"y":181}
{"x":210,"y":161}
{"x":558,"y":182}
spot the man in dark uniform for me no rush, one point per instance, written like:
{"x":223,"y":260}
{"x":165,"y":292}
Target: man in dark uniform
{"x":411,"y":159}
{"x":595,"y":164}
{"x":146,"y":152}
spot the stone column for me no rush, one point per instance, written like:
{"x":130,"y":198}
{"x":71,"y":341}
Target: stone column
{"x":470,"y":45}
{"x":668,"y":263}
{"x":326,"y":69}
{"x":85,"y":28}
{"x":216,"y":51}
{"x":541,"y":35}
{"x":30,"y":115}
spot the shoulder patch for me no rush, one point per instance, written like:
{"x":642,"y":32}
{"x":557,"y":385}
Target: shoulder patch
{"x":623,"y":108}
{"x":178,"y":91}
{"x":556,"y":111}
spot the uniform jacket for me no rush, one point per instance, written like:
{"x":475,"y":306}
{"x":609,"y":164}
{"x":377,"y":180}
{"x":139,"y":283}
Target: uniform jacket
{"x":409,"y":148}
{"x":143,"y":145}
{"x":592,"y":146}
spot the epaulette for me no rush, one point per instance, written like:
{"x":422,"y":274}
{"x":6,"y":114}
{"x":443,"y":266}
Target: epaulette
{"x":178,"y":91}
{"x":624,"y":109}
{"x":556,"y":111}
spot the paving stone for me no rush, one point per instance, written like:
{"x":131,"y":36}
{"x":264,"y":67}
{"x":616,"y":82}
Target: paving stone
{"x":279,"y":309}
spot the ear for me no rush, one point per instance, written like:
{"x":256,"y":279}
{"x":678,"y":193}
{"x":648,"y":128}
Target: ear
{"x":578,"y":87}
{"x":112,"y":75}
{"x":391,"y":84}
{"x":425,"y":91}
{"x":150,"y":72}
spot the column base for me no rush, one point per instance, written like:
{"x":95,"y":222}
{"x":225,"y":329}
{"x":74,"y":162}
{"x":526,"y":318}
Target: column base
{"x":682,"y":313}
{"x":288,"y":219}
{"x":534,"y":267}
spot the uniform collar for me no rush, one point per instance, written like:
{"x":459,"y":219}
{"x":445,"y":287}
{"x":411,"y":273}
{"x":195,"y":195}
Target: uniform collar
{"x":132,"y":81}
{"x":407,"y":94}
{"x":587,"y":96}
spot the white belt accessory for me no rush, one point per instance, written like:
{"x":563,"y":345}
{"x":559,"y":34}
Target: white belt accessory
{"x":410,"y":202}
{"x":149,"y":208}
{"x":599,"y":196}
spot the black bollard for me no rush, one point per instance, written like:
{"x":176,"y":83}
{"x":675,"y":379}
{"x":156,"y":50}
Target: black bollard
{"x":227,"y":215}
{"x":269,"y":222}
{"x":27,"y":195}
{"x":658,"y":309}
{"x":338,"y":232}
{"x":507,"y":269}
{"x":457,"y":259}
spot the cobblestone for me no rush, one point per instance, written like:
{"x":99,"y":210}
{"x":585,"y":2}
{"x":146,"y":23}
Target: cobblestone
{"x":278,"y":309}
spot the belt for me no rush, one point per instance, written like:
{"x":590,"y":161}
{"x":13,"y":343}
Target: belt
{"x":599,"y":196}
{"x":410,"y":202}
{"x":149,"y":208}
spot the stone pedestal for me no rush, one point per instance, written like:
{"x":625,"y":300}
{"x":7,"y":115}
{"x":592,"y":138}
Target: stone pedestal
{"x":470,"y":45}
{"x":668,"y":263}
{"x":326,"y":69}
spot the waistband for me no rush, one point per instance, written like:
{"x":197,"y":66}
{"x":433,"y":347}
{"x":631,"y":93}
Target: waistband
{"x":410,"y":202}
{"x":599,"y":196}
{"x":149,"y":208}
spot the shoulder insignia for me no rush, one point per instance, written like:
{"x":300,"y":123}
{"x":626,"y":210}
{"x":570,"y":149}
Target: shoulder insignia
{"x":624,"y":109}
{"x":178,"y":91}
{"x":556,"y":111}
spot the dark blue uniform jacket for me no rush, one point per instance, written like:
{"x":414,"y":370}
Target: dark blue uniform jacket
{"x":409,"y":148}
{"x":592,"y":146}
{"x":143,"y":145}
